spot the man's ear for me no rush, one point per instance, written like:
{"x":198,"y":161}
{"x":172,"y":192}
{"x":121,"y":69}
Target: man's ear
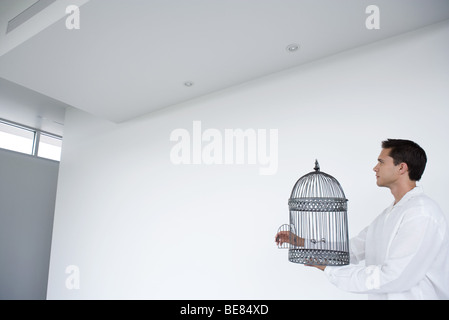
{"x":403,"y":168}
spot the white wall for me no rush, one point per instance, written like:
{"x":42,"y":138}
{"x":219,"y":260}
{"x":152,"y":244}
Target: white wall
{"x":27,"y":204}
{"x":137,"y":226}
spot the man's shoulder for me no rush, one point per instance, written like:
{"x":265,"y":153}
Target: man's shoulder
{"x":421,"y":204}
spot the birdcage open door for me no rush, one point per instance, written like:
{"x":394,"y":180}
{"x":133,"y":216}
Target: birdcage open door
{"x":318,"y":229}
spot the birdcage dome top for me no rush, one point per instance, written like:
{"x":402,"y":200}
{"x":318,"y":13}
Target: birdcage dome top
{"x":318,"y":184}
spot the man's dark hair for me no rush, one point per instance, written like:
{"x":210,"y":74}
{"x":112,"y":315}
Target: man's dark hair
{"x":409,"y":152}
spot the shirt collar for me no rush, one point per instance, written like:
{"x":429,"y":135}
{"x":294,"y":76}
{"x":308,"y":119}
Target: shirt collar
{"x":412,"y":193}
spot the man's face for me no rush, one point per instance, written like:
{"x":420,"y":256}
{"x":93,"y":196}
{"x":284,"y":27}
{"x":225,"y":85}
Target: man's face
{"x":386,"y":172}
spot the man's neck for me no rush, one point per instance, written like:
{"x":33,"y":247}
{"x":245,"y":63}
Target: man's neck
{"x":400,"y":190}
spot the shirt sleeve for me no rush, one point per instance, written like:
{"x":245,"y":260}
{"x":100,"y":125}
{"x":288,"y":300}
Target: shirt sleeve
{"x":357,"y":247}
{"x":410,"y":255}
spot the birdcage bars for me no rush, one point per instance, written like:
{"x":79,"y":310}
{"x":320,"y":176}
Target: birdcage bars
{"x":324,"y":235}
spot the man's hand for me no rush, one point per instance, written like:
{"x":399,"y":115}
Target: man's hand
{"x":291,"y":238}
{"x":316,"y":266}
{"x":288,"y":237}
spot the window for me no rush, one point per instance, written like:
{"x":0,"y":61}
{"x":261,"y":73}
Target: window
{"x":16,"y":138}
{"x":49,"y":147}
{"x":28,"y":140}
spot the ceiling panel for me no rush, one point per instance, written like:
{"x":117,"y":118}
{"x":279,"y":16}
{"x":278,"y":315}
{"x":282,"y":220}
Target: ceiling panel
{"x":132,"y":57}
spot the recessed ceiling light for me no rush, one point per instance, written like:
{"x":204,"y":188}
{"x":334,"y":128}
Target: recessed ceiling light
{"x":292,"y":47}
{"x":188,"y":84}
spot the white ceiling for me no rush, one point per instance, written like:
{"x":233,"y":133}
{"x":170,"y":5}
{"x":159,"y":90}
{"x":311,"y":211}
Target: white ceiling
{"x":133,"y":57}
{"x":24,"y":106}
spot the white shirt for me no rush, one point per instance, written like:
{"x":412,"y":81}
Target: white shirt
{"x":405,"y":252}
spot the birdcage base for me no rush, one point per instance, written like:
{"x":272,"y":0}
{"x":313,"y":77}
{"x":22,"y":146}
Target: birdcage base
{"x":319,"y":257}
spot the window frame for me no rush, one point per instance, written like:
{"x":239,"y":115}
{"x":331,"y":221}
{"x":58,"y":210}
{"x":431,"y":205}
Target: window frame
{"x":37,"y":137}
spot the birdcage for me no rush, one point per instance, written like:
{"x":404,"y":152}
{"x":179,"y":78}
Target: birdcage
{"x":318,"y":229}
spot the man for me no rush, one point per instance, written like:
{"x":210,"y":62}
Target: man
{"x":406,"y":248}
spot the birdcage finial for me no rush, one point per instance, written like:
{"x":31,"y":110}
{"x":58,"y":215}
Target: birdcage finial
{"x":317,"y":166}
